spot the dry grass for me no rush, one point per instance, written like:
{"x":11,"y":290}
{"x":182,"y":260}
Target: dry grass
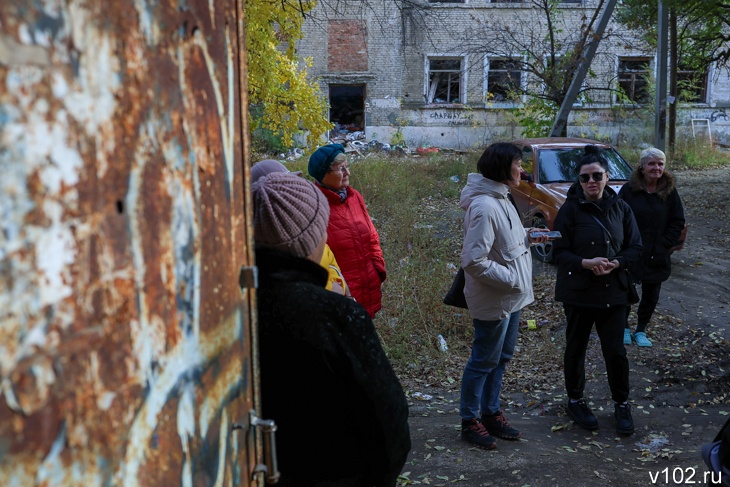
{"x":414,"y":202}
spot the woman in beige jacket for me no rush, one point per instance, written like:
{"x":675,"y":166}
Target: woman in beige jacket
{"x":498,"y":284}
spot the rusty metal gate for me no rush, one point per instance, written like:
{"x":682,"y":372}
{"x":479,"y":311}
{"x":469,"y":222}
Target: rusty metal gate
{"x":125,"y":342}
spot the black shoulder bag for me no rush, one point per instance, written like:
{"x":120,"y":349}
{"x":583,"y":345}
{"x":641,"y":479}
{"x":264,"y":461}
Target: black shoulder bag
{"x":631,"y":284}
{"x":455,"y":296}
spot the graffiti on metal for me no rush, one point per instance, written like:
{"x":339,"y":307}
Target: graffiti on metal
{"x":123,"y":343}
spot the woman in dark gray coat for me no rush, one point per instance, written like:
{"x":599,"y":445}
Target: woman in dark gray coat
{"x":653,"y":197}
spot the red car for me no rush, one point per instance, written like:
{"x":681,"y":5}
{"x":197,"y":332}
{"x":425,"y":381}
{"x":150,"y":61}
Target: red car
{"x":550,"y":169}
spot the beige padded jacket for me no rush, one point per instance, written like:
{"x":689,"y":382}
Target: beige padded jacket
{"x":496,"y":255}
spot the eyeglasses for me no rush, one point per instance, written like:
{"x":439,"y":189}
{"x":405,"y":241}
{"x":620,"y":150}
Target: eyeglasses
{"x":597,"y":176}
{"x":342,"y":169}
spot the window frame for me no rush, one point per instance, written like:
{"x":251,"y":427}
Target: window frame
{"x":430,"y":92}
{"x":649,"y":61}
{"x":705,"y":89}
{"x":581,"y":98}
{"x":488,"y":63}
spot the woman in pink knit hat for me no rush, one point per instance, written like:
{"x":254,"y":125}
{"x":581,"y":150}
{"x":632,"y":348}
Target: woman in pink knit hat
{"x":325,"y":379}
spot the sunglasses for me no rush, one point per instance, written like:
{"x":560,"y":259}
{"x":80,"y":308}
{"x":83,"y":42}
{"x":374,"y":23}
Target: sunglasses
{"x":597,"y":176}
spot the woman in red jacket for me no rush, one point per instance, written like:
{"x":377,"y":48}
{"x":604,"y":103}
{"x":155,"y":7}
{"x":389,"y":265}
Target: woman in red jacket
{"x":351,"y":234}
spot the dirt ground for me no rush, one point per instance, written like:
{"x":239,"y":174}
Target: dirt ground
{"x":680,"y":387}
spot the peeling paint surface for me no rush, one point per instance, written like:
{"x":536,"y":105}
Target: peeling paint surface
{"x":125,"y":346}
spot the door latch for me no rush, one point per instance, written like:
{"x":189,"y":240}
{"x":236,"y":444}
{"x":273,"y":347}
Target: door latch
{"x":270,"y":468}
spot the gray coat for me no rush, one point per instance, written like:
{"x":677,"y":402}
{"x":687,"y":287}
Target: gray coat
{"x":496,"y":255}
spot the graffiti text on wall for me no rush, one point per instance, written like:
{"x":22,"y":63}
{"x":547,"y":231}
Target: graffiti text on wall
{"x":452,"y":118}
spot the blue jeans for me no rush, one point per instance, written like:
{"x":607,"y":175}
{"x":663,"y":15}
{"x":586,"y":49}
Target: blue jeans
{"x":494,"y":346}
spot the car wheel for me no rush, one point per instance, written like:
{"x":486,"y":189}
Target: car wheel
{"x":542,"y":252}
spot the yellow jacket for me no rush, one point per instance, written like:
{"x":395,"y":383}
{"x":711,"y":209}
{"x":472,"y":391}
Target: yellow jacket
{"x":335,"y":275}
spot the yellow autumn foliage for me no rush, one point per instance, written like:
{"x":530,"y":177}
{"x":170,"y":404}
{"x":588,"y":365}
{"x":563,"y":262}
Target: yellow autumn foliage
{"x":277,"y":82}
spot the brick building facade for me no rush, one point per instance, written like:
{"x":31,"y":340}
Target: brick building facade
{"x":443,"y":74}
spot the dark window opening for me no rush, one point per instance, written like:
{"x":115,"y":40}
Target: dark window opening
{"x":691,"y":85}
{"x":504,"y":80}
{"x":347,"y":109}
{"x":633,"y":78}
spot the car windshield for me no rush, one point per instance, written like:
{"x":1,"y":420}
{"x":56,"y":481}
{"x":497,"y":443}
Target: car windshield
{"x":558,"y":165}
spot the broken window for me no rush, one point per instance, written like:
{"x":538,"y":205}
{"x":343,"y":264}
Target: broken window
{"x":555,"y":82}
{"x":691,"y":85}
{"x":504,"y":81}
{"x":444,"y":80}
{"x":633,"y":78}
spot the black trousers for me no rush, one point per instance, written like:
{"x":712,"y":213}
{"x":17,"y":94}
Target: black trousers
{"x":610,"y":327}
{"x":647,"y":305}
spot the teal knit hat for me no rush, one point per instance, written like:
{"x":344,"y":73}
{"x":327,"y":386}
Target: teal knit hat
{"x":321,"y":160}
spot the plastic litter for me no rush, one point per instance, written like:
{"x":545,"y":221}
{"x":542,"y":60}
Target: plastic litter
{"x":654,"y":444}
{"x":442,"y":344}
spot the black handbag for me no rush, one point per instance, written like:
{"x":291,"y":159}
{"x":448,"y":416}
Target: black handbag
{"x":455,"y":296}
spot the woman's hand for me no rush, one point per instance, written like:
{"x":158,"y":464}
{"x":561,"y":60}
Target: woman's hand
{"x":540,"y":239}
{"x":600,"y":266}
{"x":596,"y":264}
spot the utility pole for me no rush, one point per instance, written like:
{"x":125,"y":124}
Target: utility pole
{"x":561,"y":120}
{"x":660,"y":113}
{"x":673,"y":67}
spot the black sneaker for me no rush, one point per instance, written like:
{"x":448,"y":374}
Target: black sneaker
{"x":498,"y":425}
{"x":582,"y":414}
{"x":473,"y":431}
{"x":624,"y":423}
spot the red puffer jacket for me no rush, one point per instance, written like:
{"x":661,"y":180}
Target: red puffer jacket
{"x":355,"y":242}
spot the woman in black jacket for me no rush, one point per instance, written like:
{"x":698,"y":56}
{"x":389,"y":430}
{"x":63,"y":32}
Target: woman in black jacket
{"x":341,"y":413}
{"x":653,"y":197}
{"x":599,"y":241}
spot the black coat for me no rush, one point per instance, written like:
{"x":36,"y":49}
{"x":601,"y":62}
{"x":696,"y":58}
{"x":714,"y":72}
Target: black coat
{"x":583,"y":238}
{"x":339,"y":407}
{"x":660,"y":217}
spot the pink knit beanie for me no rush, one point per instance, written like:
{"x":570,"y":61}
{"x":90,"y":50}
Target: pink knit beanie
{"x":267,"y":166}
{"x":290,"y":214}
